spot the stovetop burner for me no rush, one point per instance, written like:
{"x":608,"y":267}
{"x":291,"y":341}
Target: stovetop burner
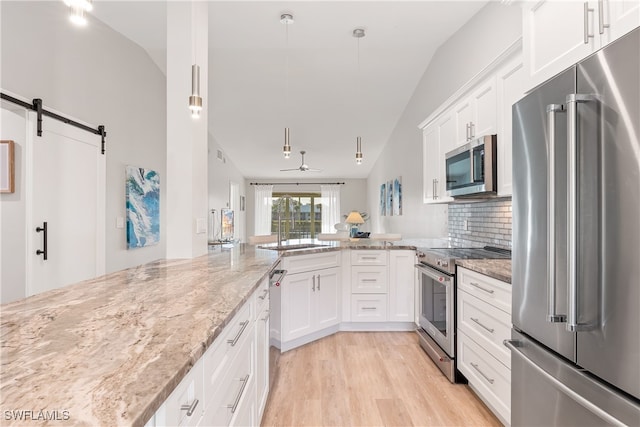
{"x":444,"y":259}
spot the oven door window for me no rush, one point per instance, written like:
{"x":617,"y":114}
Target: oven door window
{"x":458,"y":171}
{"x":434,"y":303}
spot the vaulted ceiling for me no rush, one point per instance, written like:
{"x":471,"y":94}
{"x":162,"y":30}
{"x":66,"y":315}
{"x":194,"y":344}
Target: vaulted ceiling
{"x":329,"y":102}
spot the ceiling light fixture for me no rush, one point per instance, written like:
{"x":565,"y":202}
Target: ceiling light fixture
{"x":77,"y":9}
{"x":358,"y":33}
{"x":195,"y":100}
{"x":286,"y":19}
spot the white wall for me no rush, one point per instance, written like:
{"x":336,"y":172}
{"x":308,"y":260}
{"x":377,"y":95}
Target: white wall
{"x":97,"y":76}
{"x":484,"y":37}
{"x":12,"y":207}
{"x":353,"y":196}
{"x":221,"y":174}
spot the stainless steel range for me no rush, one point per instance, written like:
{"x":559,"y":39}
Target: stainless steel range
{"x":437,"y":298}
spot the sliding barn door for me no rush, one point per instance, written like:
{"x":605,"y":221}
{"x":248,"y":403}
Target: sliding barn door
{"x":67,"y":207}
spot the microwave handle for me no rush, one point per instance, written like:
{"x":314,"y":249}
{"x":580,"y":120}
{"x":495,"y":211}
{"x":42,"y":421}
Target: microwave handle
{"x":472,"y":172}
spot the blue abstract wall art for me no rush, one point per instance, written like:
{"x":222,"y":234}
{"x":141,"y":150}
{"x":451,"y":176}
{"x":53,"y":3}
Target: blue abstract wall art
{"x":143,"y":207}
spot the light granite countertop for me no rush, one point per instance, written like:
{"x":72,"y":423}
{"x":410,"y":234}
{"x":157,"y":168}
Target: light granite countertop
{"x":497,"y":268}
{"x":110,"y":350}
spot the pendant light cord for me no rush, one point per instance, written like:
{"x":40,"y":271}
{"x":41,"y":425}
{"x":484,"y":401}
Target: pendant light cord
{"x":286,"y":76}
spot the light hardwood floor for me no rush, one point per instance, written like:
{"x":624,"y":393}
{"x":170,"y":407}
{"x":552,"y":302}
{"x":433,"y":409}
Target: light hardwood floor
{"x":369,"y":379}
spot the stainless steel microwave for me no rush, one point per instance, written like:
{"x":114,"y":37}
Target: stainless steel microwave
{"x":471,"y":170}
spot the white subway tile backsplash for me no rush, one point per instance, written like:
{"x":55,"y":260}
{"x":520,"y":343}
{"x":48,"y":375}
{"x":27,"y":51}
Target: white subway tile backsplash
{"x":488,"y":223}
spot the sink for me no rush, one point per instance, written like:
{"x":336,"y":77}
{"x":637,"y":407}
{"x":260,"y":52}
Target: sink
{"x":292,"y":247}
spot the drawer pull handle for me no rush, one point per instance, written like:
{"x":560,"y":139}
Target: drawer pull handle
{"x":190,"y":408}
{"x":264,"y":294}
{"x":369,"y":280}
{"x":369,"y":308}
{"x":489,"y":291}
{"x":239,"y":334}
{"x":265,"y":318}
{"x":370,"y":257}
{"x":484,"y":326}
{"x":244,"y":382}
{"x":475,"y":366}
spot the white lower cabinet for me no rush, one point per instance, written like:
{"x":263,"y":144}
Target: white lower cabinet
{"x":402,"y":279}
{"x":184,"y":405}
{"x":221,"y":388}
{"x":369,"y":308}
{"x":262,"y":359}
{"x":310,"y":302}
{"x":484,"y":322}
{"x":487,"y":376}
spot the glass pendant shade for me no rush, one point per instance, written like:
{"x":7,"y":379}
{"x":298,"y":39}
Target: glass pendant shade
{"x":286,"y":150}
{"x":358,"y":151}
{"x":195,"y":101}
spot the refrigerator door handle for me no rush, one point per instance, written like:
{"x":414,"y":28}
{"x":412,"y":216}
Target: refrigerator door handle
{"x":552,"y":316}
{"x":515,"y":347}
{"x":572,"y":205}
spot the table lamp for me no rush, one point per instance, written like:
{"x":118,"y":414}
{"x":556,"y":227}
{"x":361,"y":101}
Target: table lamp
{"x":354,"y":218}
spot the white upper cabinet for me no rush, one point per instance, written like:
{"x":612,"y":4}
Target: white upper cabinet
{"x":484,"y":111}
{"x":510,"y":85}
{"x":430,"y":162}
{"x":557,"y":34}
{"x":481,"y":107}
{"x":463,"y":117}
{"x":475,"y":115}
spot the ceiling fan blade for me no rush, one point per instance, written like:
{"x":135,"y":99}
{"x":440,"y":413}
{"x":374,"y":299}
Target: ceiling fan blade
{"x":289,"y":170}
{"x":314,"y":170}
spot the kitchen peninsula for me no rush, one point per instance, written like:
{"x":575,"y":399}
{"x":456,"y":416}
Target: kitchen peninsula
{"x":111,"y":350}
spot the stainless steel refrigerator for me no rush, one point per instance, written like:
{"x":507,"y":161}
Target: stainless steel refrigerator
{"x":576,"y":245}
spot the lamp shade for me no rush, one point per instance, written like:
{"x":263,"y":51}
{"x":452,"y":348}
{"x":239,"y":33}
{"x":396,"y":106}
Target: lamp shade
{"x":354,"y":218}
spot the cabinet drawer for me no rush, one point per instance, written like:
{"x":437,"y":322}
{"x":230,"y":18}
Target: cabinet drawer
{"x":222,"y":352}
{"x":487,"y":325}
{"x":368,"y":308}
{"x":189,"y":393}
{"x":261,"y":295}
{"x":301,"y":263}
{"x":369,"y":280}
{"x":490,"y":378}
{"x":232,"y":386}
{"x":367,"y":257}
{"x":486,"y":288}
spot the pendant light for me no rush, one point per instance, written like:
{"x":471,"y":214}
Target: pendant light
{"x":195,"y":100}
{"x":286,"y":19}
{"x":77,"y":9}
{"x":358,"y":33}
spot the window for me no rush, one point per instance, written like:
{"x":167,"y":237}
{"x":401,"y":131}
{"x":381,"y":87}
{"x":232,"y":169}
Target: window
{"x":299,"y":215}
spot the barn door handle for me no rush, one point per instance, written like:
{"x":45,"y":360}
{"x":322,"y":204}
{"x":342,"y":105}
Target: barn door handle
{"x":44,"y":250}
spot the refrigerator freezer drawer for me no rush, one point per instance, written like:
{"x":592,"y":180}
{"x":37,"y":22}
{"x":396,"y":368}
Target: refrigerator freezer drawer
{"x":488,"y":377}
{"x":548,"y":391}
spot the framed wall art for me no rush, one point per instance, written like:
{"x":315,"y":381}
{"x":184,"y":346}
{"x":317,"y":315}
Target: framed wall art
{"x":7,"y":167}
{"x":143,"y":207}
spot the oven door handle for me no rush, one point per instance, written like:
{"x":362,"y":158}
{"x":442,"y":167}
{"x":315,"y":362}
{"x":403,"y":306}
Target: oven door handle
{"x":434,"y":274}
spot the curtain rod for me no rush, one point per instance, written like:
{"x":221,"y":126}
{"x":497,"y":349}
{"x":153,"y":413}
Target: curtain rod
{"x":37,"y":107}
{"x":296,"y":183}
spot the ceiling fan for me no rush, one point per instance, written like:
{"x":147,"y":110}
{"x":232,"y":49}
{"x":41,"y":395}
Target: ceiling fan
{"x":303,"y":167}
